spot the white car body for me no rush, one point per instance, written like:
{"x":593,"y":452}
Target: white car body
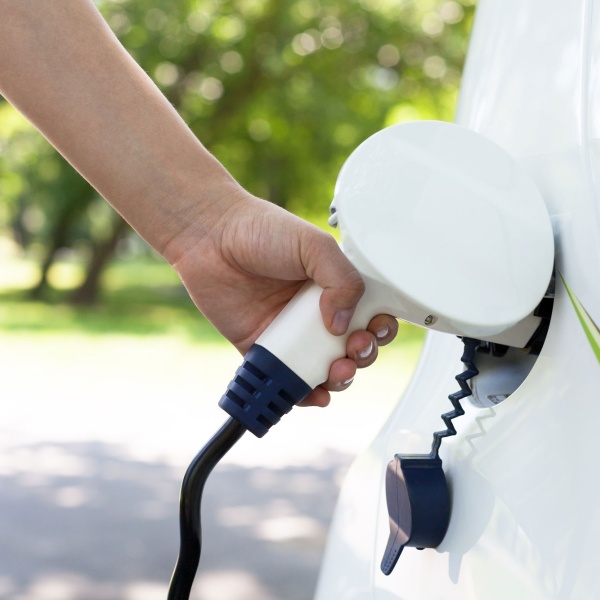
{"x":524,"y":475}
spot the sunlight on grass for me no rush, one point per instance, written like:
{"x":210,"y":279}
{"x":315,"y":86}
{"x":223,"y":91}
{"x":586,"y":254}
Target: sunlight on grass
{"x":23,"y":274}
{"x":142,"y":297}
{"x":135,"y":273}
{"x":65,"y":275}
{"x":18,"y":274}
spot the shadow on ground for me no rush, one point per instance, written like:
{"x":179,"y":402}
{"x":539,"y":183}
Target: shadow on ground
{"x":79,"y":521}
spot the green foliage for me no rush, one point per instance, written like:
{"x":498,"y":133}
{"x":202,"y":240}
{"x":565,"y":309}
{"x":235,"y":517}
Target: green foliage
{"x":38,"y":188}
{"x":281,"y":91}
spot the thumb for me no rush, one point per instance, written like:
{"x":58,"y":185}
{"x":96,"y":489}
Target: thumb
{"x":341,"y":282}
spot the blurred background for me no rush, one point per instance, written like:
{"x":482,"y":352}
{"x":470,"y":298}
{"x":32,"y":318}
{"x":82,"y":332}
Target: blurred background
{"x":109,"y":375}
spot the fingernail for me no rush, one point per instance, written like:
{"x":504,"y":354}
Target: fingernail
{"x":346,"y":382}
{"x":383,"y":332}
{"x":341,"y":320}
{"x":366,"y":352}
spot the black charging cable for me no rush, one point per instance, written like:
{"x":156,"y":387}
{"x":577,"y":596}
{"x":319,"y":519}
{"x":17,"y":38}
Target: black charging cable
{"x":190,"y":529}
{"x":261,"y":392}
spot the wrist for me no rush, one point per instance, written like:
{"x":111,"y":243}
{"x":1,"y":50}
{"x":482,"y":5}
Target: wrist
{"x":190,"y":214}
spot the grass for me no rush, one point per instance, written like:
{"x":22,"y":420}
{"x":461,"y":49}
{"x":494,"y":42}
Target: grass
{"x":139,"y":298}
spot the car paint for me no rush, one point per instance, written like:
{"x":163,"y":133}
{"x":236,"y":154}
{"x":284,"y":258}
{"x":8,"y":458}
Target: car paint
{"x":523,"y":475}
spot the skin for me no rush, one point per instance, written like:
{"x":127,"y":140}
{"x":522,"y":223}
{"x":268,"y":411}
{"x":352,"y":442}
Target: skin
{"x":241,"y":258}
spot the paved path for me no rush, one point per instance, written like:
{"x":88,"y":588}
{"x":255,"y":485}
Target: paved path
{"x":94,"y":440}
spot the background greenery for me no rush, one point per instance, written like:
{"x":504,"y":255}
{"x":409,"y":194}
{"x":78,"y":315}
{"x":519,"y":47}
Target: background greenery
{"x":281,"y":91}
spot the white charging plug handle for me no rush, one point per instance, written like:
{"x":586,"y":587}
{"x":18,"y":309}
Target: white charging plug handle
{"x":298,"y":337}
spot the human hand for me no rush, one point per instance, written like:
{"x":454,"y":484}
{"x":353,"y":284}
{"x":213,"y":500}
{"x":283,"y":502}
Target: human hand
{"x":253,"y":258}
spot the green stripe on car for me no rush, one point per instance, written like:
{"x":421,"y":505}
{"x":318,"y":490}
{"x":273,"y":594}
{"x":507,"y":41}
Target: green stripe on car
{"x":589,"y":327}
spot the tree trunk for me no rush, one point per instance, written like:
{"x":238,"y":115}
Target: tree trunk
{"x":88,"y":292}
{"x":20,"y":233}
{"x":59,"y":240}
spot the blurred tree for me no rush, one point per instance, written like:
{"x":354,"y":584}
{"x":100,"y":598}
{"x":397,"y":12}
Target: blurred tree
{"x":88,"y":291}
{"x":280,"y":91}
{"x":68,"y":196}
{"x":44,"y":199}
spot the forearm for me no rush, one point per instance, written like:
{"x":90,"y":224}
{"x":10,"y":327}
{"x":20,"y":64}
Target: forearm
{"x":62,"y":67}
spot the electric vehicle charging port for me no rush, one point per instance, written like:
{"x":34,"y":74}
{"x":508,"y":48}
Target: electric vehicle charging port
{"x":502,"y":369}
